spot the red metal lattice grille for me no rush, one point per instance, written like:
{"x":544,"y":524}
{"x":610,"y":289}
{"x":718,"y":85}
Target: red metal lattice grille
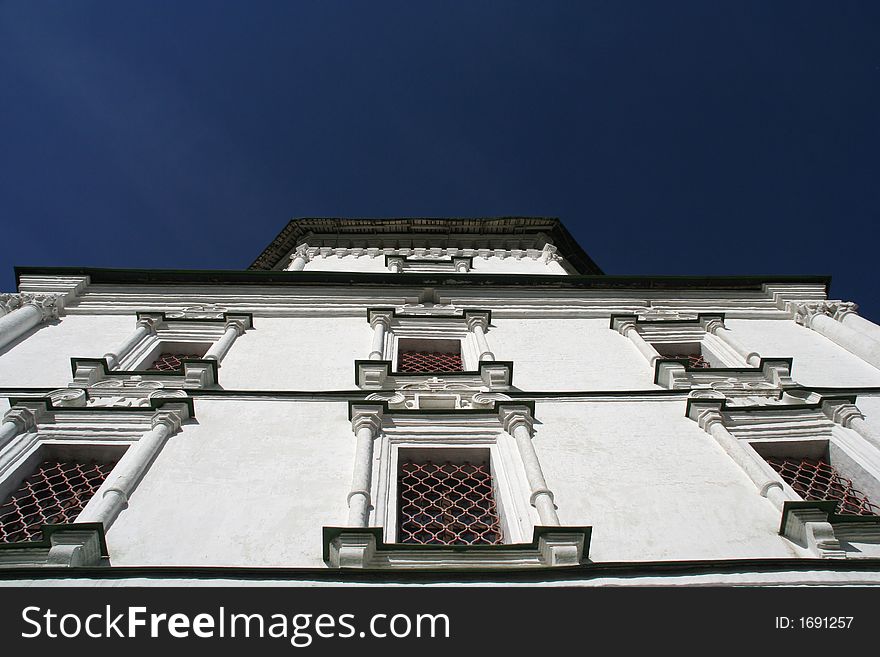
{"x":428,"y":362}
{"x":169,"y":362}
{"x":817,"y":480}
{"x":695,"y":361}
{"x":54,"y":494}
{"x":447,"y":504}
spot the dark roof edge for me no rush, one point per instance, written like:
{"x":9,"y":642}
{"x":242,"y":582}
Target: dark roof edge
{"x":585,"y":571}
{"x":568,"y":247}
{"x":101,"y":275}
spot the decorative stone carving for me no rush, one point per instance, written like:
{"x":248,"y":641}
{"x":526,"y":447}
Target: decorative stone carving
{"x":201,"y":311}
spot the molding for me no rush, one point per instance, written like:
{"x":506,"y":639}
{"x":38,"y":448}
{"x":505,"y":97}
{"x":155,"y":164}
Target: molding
{"x":364,"y":547}
{"x":771,"y":375}
{"x":96,"y":375}
{"x":486,"y":233}
{"x":72,"y":544}
{"x":377,"y":375}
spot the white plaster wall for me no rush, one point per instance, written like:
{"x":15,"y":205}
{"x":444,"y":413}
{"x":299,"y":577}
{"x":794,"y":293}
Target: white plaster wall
{"x":248,"y":484}
{"x":652,"y":484}
{"x":41,"y":358}
{"x":297,"y":353}
{"x":569,"y":354}
{"x":817,"y":360}
{"x":869,"y":405}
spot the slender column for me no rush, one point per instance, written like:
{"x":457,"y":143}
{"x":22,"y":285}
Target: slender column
{"x":849,"y":416}
{"x":846,"y":314}
{"x":131,"y":469}
{"x":815,"y":316}
{"x":299,"y":259}
{"x":33,"y":311}
{"x":381,"y":322}
{"x":15,"y":422}
{"x":627,"y":328}
{"x":711,"y":421}
{"x":366,"y":422}
{"x":518,"y":423}
{"x":145,"y":327}
{"x":716,"y":327}
{"x":234,"y":328}
{"x":477,"y":324}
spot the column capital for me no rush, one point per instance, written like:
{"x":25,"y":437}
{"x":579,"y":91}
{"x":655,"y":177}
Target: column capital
{"x":474,"y":318}
{"x":151,"y":321}
{"x":844,"y":308}
{"x":172,"y":419}
{"x":49,"y":305}
{"x":514,"y":416}
{"x":461,"y":265}
{"x":841,"y":411}
{"x":704,"y":408}
{"x":394,"y":261}
{"x":239,"y":324}
{"x":24,"y":418}
{"x":366,"y":416}
{"x":549,"y":253}
{"x":623,"y":324}
{"x":302,"y":251}
{"x":380,"y":316}
{"x":712,"y":324}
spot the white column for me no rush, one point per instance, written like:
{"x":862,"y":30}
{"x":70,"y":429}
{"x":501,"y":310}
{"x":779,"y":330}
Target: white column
{"x":15,"y":422}
{"x":814,"y":316}
{"x":234,"y":328}
{"x":518,"y":423}
{"x":33,"y":311}
{"x":627,"y":328}
{"x":145,"y":326}
{"x":366,"y":422}
{"x":381,"y":322}
{"x":764,"y":477}
{"x":846,"y":314}
{"x":716,"y":327}
{"x":131,"y":468}
{"x":299,"y":259}
{"x":478,"y":324}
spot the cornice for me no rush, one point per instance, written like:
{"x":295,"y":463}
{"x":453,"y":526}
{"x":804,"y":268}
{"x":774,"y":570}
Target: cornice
{"x":427,"y":232}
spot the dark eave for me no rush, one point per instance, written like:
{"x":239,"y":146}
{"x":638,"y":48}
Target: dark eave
{"x":343,"y":231}
{"x":107,"y":276}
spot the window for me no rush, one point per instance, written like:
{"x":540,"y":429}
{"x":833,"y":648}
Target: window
{"x":693,"y":352}
{"x":429,"y":356}
{"x":56,"y":492}
{"x":814,"y":479}
{"x":169,"y":357}
{"x":446,"y":502}
{"x":819,"y":470}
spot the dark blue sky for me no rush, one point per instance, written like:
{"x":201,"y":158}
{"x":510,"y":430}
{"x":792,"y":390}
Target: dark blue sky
{"x":672,"y":138}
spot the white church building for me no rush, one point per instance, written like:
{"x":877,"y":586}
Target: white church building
{"x":429,"y":399}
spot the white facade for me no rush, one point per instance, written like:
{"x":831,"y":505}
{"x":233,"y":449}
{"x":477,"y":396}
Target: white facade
{"x":278,"y":444}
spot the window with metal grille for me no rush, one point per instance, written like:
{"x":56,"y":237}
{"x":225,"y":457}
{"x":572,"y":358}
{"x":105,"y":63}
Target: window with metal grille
{"x":815,"y":479}
{"x":168,"y":361}
{"x":54,"y":494}
{"x":446,"y":503}
{"x":429,"y":356}
{"x":692,"y":353}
